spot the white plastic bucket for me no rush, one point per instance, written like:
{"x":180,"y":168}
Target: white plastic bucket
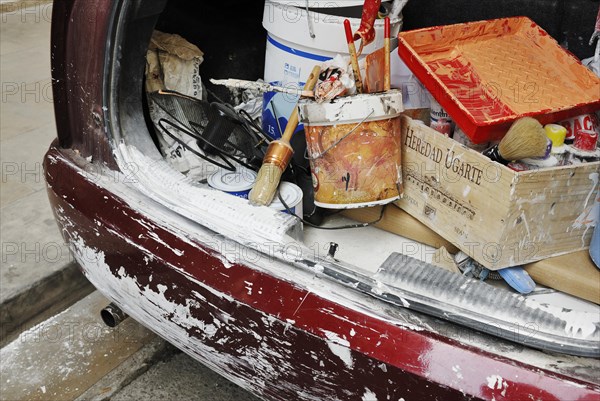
{"x":292,"y":53}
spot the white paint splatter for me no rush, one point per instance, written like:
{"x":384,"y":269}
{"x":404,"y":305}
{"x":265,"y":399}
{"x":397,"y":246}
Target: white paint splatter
{"x":496,"y":382}
{"x":369,"y":395}
{"x":524,"y":220}
{"x":456,"y":369}
{"x":580,"y":324}
{"x":340,"y":348}
{"x":156,"y":238}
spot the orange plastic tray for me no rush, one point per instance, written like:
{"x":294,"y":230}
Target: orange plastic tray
{"x":487,"y":74}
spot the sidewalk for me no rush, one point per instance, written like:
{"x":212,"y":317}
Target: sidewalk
{"x":36,"y":269}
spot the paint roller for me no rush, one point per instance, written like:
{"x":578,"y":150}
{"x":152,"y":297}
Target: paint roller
{"x":278,"y":155}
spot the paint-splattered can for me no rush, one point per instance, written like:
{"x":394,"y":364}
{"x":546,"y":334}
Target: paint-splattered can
{"x":462,"y":138}
{"x":586,"y":140}
{"x":354,"y":145}
{"x":291,"y":195}
{"x":440,"y":120}
{"x":586,"y":122}
{"x":237,"y":183}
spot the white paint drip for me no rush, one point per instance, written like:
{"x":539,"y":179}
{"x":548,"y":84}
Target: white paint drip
{"x":148,"y":226}
{"x":579,"y":324}
{"x":594,"y":178}
{"x":156,"y":238}
{"x":524,"y":219}
{"x":369,"y":395}
{"x":340,"y":348}
{"x":456,"y":369}
{"x":591,"y":214}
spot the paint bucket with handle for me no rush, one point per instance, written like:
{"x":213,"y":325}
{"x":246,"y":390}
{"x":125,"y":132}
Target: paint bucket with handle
{"x":354,"y":147}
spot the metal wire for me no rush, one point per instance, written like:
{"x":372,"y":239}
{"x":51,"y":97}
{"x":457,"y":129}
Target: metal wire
{"x":308,"y":223}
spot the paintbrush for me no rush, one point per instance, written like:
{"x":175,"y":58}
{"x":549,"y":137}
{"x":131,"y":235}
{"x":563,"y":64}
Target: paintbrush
{"x":387,"y":80}
{"x":278,"y":156}
{"x":525,"y":138}
{"x":353,"y":56}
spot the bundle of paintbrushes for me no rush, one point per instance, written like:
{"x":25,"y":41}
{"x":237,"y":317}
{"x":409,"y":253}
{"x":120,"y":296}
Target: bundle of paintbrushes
{"x":376,"y":65}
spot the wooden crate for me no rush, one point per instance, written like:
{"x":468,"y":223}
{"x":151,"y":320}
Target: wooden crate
{"x":498,"y":216}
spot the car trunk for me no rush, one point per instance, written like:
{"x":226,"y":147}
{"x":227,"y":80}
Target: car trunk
{"x":366,"y":259}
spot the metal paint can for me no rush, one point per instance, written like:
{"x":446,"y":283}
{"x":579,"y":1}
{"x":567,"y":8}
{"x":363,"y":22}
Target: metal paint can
{"x":462,"y":138}
{"x":440,"y":120}
{"x":237,"y":183}
{"x":292,"y":196}
{"x":586,"y":140}
{"x":354,"y":148}
{"x":586,"y":122}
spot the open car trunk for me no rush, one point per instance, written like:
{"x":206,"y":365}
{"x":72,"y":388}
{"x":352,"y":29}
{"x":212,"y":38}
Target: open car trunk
{"x":373,"y":271}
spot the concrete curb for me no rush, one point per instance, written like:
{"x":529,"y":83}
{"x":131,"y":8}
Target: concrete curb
{"x":40,"y":300}
{"x":67,"y":354}
{"x":138,"y":364}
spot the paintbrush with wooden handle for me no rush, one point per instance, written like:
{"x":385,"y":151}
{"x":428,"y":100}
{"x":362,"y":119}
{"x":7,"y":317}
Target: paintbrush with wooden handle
{"x":278,"y":156}
{"x":353,"y":56}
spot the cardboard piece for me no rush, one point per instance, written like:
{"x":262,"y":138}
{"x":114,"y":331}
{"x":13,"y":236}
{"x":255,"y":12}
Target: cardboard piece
{"x":574,"y":274}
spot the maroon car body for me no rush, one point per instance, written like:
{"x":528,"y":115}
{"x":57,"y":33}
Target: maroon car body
{"x":279,"y":331}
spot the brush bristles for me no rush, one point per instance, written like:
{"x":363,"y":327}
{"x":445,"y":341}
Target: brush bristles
{"x":264,"y":189}
{"x":525,"y":138}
